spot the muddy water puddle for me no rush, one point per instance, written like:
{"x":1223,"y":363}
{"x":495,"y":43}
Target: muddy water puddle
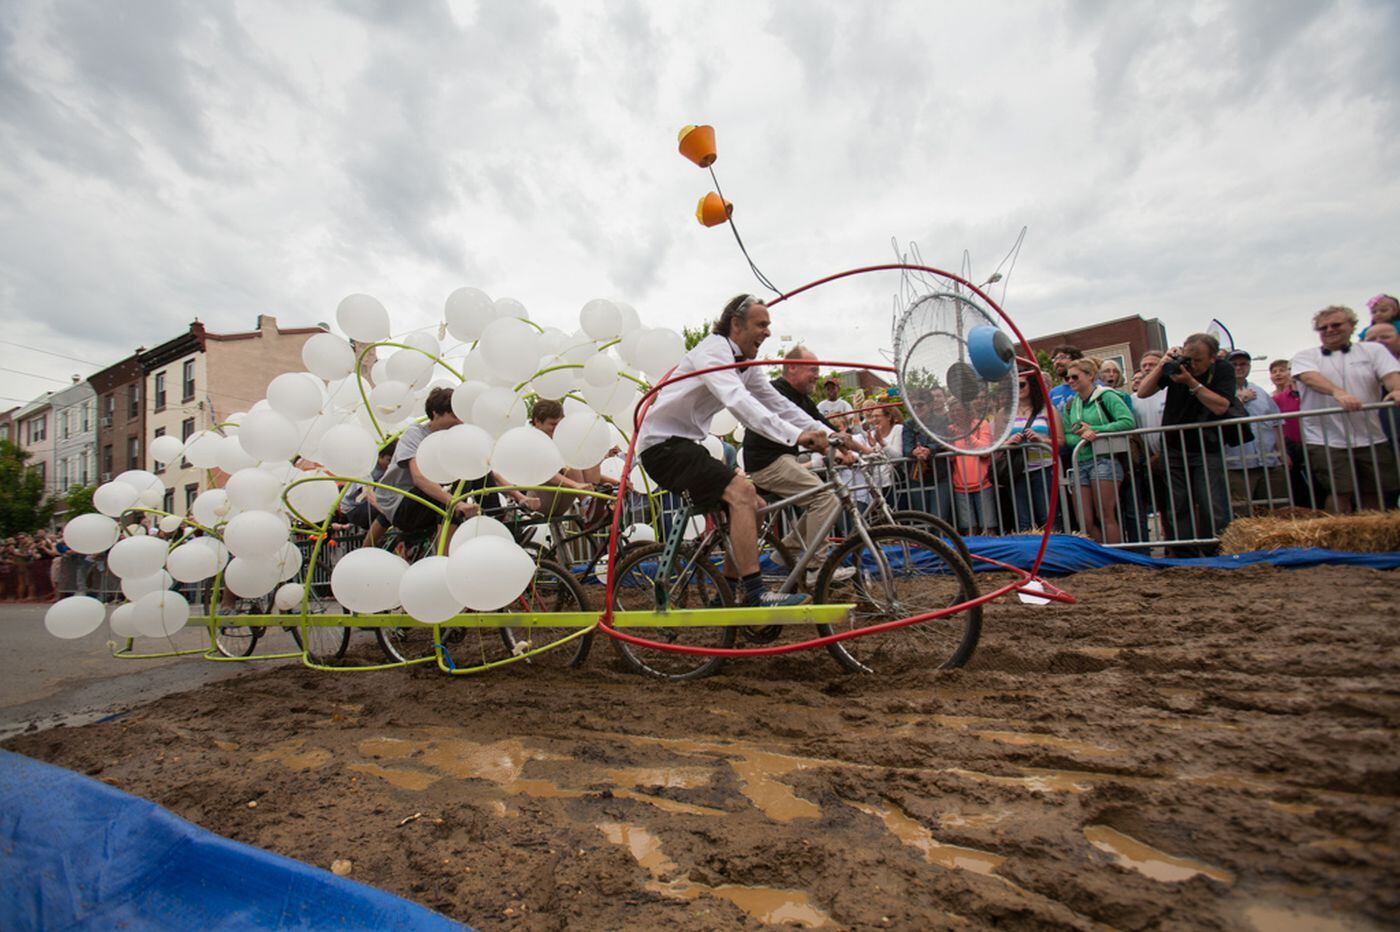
{"x":915,"y":835}
{"x":291,"y":756}
{"x":766,"y":904}
{"x":1149,"y":861}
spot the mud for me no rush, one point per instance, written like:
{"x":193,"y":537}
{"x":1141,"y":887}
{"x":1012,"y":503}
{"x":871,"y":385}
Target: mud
{"x":1182,"y":749}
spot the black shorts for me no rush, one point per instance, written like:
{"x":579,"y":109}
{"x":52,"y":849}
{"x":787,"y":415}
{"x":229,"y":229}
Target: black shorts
{"x":681,"y":465}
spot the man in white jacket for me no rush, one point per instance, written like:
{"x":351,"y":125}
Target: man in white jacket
{"x":669,"y":442}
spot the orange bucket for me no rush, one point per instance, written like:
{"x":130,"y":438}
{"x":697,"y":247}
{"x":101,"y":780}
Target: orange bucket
{"x":698,"y":145}
{"x":713,"y":210}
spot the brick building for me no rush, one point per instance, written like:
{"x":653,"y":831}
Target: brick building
{"x":1123,"y":340}
{"x":195,"y":381}
{"x":121,"y":416}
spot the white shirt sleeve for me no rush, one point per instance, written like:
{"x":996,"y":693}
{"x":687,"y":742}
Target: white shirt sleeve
{"x":731,"y":392}
{"x":1305,"y":361}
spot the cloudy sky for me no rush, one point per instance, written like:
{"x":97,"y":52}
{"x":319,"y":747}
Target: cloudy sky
{"x":164,"y":161}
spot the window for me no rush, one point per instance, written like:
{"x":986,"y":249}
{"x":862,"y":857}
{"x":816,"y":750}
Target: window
{"x":157,"y":466}
{"x":160,"y":391}
{"x":133,"y":400}
{"x":43,"y":471}
{"x":186,"y":432}
{"x":87,"y":416}
{"x":187,"y":381}
{"x":38,"y":429}
{"x":84,"y":476}
{"x":63,"y":474}
{"x":191,"y":493}
{"x":63,"y":424}
{"x":107,"y":461}
{"x":167,"y":504}
{"x":133,"y":452}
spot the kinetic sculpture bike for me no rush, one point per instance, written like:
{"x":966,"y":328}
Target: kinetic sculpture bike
{"x":480,"y":600}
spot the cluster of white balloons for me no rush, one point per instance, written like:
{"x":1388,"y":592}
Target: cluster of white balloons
{"x":331,"y":420}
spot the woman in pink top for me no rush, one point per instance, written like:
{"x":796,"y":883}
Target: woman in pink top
{"x":974,"y":499}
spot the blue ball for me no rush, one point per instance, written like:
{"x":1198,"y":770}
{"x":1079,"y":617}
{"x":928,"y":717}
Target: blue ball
{"x":990,"y":352}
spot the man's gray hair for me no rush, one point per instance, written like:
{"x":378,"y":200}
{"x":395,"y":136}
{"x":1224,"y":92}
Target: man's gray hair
{"x":1336,"y":309}
{"x":1206,"y":340}
{"x":736,"y":309}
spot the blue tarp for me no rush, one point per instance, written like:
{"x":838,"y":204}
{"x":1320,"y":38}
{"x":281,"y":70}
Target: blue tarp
{"x":1068,"y":554}
{"x":76,"y":853}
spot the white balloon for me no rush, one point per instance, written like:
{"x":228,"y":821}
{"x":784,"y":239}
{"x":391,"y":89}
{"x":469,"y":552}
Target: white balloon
{"x":430,"y":458}
{"x":74,"y":617}
{"x":658,"y":350}
{"x":410,"y":366}
{"x":464,"y":396}
{"x":715,"y":446}
{"x":424,"y":592}
{"x":738,"y":434}
{"x":136,"y":556}
{"x":600,"y":370}
{"x":313,"y":430}
{"x":250,"y":579}
{"x":511,"y":348}
{"x":509,"y":307}
{"x":468,"y":311}
{"x":601,"y":319}
{"x":122,"y":621}
{"x":134,"y":587}
{"x":289,"y":596}
{"x":328,"y":356}
{"x":313,"y":500}
{"x":636,"y":533}
{"x":254,"y":489}
{"x":631,"y":320}
{"x":474,"y":527}
{"x":255,"y":535}
{"x":348,"y":450}
{"x":487,"y":573}
{"x":91,"y":533}
{"x":465,"y":451}
{"x":553,"y":341}
{"x":344,"y":394}
{"x":627,"y":348}
{"x":497,"y":410}
{"x":160,"y":614}
{"x":616,"y":401}
{"x":287,"y":561}
{"x":367,"y":580}
{"x":211,"y":507}
{"x":296,"y":395}
{"x":166,"y":449}
{"x":203,"y":447}
{"x":114,"y":498}
{"x":723,"y":423}
{"x":693,"y":528}
{"x":192,"y":562}
{"x":171,"y":523}
{"x":379,"y":372}
{"x":583,"y":439}
{"x":557,"y":382}
{"x":475,"y":367}
{"x":217,"y":548}
{"x":389,"y":396}
{"x":268,"y":436}
{"x":526,"y":456}
{"x":363,"y":318}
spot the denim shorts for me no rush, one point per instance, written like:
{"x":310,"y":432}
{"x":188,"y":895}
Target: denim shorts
{"x":1100,"y":469}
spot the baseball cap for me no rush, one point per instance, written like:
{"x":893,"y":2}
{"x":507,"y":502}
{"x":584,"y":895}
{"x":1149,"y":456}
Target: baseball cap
{"x":1238,"y":352}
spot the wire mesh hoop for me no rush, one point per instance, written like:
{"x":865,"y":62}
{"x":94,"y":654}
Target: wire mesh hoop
{"x":949,"y":396}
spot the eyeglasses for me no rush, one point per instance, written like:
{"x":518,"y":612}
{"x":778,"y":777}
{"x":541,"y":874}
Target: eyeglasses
{"x":1335,"y":325}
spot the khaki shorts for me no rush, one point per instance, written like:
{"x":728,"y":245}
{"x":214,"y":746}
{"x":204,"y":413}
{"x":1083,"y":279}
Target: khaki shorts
{"x":1331,"y":467}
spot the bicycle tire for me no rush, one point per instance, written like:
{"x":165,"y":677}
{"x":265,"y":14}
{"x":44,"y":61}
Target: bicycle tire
{"x":325,"y":645}
{"x":552,"y":589}
{"x":916,"y":573}
{"x":938,"y":527}
{"x":239,"y":640}
{"x":692,"y":582}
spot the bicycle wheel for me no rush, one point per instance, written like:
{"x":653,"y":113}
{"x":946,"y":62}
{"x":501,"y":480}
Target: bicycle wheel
{"x":237,"y":640}
{"x":902,"y":572}
{"x":324,"y":645}
{"x":692,"y":581}
{"x":553,"y":589}
{"x":938,"y":527}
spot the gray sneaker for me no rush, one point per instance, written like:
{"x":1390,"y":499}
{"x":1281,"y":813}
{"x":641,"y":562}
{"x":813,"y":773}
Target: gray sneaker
{"x":841,"y":574}
{"x":770,"y":599}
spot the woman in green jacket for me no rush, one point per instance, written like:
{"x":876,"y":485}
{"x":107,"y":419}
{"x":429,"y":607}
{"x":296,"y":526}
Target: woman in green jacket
{"x":1093,"y":410}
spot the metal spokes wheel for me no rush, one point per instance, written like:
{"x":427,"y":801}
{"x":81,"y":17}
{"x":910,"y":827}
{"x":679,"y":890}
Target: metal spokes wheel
{"x":691,"y":581}
{"x":900,"y":573}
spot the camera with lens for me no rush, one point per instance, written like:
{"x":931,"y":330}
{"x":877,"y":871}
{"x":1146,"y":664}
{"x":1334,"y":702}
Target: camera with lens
{"x":1174,"y":364}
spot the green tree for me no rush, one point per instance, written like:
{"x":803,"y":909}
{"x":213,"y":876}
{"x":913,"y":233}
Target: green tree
{"x":1043,"y":359}
{"x":79,"y":501}
{"x":22,"y":505}
{"x":694,"y":335}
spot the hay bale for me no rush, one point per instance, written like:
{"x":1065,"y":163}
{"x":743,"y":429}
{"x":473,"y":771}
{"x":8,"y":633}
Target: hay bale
{"x":1363,"y":532}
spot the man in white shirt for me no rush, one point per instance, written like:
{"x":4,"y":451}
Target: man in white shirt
{"x":1347,"y":453}
{"x":676,"y":423}
{"x":833,"y":407}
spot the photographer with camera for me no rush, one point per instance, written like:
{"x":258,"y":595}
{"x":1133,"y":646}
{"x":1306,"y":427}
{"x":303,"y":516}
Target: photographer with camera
{"x":1200,"y":389}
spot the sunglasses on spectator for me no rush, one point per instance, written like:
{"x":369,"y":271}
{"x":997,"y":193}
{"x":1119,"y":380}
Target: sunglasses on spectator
{"x":1335,"y":325}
